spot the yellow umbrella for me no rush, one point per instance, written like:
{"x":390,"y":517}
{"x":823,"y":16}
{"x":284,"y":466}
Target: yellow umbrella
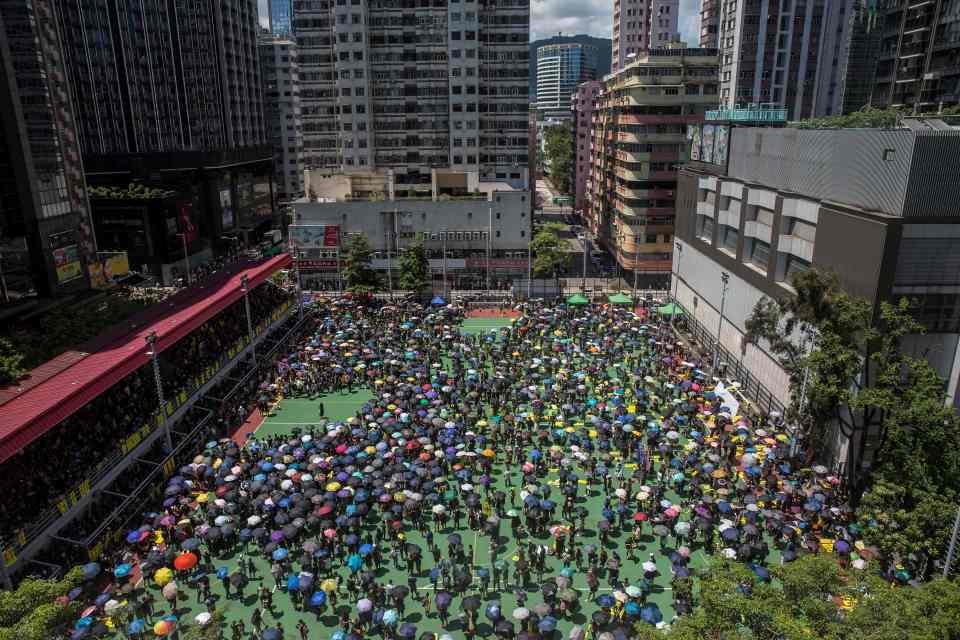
{"x":202,"y":498}
{"x":488,"y":453}
{"x":328,"y":585}
{"x":163,"y":576}
{"x":333,"y":486}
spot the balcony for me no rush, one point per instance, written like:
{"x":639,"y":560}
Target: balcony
{"x":705,"y":209}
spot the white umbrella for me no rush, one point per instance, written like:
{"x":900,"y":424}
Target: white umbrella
{"x":203,"y":619}
{"x":649,"y":567}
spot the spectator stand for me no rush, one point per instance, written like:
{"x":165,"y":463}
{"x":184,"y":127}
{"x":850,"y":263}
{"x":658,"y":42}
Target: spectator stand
{"x":150,"y":471}
{"x":29,"y":541}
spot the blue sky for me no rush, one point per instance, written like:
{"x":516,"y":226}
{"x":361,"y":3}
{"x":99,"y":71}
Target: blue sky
{"x":594,"y":17}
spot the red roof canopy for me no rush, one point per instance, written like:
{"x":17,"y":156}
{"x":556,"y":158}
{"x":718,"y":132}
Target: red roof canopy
{"x":80,"y":375}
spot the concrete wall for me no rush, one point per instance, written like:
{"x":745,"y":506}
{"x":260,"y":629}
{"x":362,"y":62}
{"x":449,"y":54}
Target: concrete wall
{"x":865,"y":168}
{"x":699,"y":290}
{"x":430,"y":216}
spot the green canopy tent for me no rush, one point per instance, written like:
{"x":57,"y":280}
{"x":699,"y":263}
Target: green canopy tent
{"x":671,"y":309}
{"x":577,"y":300}
{"x":620,"y":298}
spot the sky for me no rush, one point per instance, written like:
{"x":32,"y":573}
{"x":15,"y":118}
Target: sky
{"x":593,"y":17}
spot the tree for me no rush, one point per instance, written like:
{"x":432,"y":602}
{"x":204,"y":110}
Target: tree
{"x":213,"y":630}
{"x":549,"y":251}
{"x":360,"y":277}
{"x":414,"y":268}
{"x":866,"y":118}
{"x":848,"y":371}
{"x":11,"y":363}
{"x":558,"y":141}
{"x":38,"y":608}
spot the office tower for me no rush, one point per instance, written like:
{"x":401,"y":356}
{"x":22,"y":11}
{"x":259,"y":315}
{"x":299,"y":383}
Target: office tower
{"x":641,"y":24}
{"x":280,"y":16}
{"x":710,"y":23}
{"x":414,"y":86}
{"x":639,"y":141}
{"x":604,"y":47}
{"x":168,"y":95}
{"x":582,"y":111}
{"x":769,"y":53}
{"x":45,"y":230}
{"x":280,"y":68}
{"x":919,"y":62}
{"x":560,"y":68}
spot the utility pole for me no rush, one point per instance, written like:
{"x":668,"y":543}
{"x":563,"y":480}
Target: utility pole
{"x":583,"y":273}
{"x":529,"y":268}
{"x":389,"y":256}
{"x":676,"y":284}
{"x":443,"y":238}
{"x":186,"y":257}
{"x":725,"y":279}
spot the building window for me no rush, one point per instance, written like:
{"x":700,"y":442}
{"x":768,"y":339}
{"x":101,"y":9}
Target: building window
{"x":756,"y":253}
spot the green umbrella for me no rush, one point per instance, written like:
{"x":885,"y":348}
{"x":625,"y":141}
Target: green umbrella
{"x":620,"y":298}
{"x":670,"y":310}
{"x":577,"y":300}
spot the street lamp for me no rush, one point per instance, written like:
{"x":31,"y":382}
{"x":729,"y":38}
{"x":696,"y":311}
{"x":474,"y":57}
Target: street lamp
{"x":725,"y":279}
{"x":676,"y":283}
{"x":186,"y":257}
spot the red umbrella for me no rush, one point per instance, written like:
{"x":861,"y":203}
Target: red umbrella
{"x":185,"y":561}
{"x":640,"y":516}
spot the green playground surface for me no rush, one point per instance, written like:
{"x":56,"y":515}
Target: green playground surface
{"x":298,"y":412}
{"x":480,"y":325}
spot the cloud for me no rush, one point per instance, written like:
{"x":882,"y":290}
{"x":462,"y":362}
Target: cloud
{"x":595,"y":18}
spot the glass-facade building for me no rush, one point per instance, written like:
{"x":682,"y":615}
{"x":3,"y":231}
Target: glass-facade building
{"x":560,"y":68}
{"x":281,"y":17}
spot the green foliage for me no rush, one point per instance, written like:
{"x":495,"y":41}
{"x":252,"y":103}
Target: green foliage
{"x":867,"y":118}
{"x":133,"y":191}
{"x":11,"y":363}
{"x":414,"y":268}
{"x":549,"y":251}
{"x":558,"y":141}
{"x":900,"y":519}
{"x":357,"y":272}
{"x":32,"y":613}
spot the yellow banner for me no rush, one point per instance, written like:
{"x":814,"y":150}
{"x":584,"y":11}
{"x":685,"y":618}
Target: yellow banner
{"x":9,"y":557}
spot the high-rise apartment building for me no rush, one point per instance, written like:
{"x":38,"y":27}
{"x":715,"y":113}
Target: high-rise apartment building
{"x":412,"y":86}
{"x":168,"y":95}
{"x":710,"y":23}
{"x":45,"y":233}
{"x":280,"y":16}
{"x":163,"y":77}
{"x":769,"y":51}
{"x":919,"y":61}
{"x":560,"y":68}
{"x":280,"y":69}
{"x":639,"y":25}
{"x":582,"y":110}
{"x":849,"y":50}
{"x":639,"y":141}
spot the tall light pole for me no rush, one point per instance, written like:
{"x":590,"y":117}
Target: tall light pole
{"x":636,"y":271}
{"x":489,"y":241}
{"x":246,"y":303}
{"x":583,"y":273}
{"x":443,"y":244}
{"x":151,"y":339}
{"x":676,"y":283}
{"x":725,"y":279}
{"x":389,"y":256}
{"x":186,"y":257}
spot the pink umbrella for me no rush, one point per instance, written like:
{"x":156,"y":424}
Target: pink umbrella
{"x":672,"y":512}
{"x":329,"y":533}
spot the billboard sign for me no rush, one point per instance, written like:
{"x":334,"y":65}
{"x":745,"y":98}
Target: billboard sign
{"x":316,"y":236}
{"x":66,"y":257}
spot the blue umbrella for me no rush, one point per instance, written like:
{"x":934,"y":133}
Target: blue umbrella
{"x":651,"y":613}
{"x":354,"y":562}
{"x":547,"y":624}
{"x":272,"y":634}
{"x":133,"y":537}
{"x":122,"y":570}
{"x":438,"y":301}
{"x":280,"y":554}
{"x":91,"y":570}
{"x":605,"y":600}
{"x":293,"y":583}
{"x":136,"y":626}
{"x":102,"y":599}
{"x":223,"y":572}
{"x":365,"y":549}
{"x":631,"y":609}
{"x":191,"y":544}
{"x":318,"y":599}
{"x":83,"y":622}
{"x":390,"y":616}
{"x":492,"y":611}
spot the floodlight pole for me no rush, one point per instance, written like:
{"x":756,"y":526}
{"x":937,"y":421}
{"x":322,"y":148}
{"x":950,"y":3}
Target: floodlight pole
{"x":725,"y":279}
{"x":246,"y":303}
{"x":151,"y":339}
{"x":676,"y":283}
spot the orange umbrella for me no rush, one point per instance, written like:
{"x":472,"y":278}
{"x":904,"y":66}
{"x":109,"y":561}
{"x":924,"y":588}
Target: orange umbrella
{"x":164,"y":627}
{"x":185,"y":561}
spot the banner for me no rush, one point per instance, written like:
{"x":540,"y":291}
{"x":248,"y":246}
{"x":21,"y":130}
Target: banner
{"x":108,"y":268}
{"x":316,"y":236}
{"x":66,"y":256}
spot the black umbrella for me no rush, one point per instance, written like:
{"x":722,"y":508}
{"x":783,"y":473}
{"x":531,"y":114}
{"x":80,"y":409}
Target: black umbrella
{"x":600,"y":618}
{"x":470,"y":603}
